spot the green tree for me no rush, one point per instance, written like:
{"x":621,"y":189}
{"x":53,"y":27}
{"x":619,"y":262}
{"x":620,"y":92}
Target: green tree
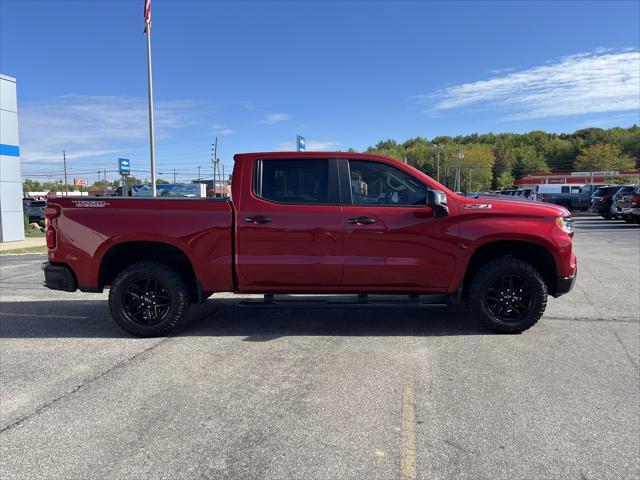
{"x":503,"y":152}
{"x":603,"y":156}
{"x":505,"y":180}
{"x":29,"y":185}
{"x":631,"y":143}
{"x":527,"y":160}
{"x":476,"y":172}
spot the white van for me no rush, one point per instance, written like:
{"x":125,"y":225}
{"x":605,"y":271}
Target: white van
{"x":558,"y":188}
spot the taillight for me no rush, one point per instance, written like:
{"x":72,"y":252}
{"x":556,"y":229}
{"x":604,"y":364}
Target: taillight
{"x":50,"y":235}
{"x":51,"y":212}
{"x":605,"y":197}
{"x":635,"y":200}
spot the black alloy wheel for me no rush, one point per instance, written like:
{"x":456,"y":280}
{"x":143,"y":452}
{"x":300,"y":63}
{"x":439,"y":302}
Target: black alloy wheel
{"x":146,"y":301}
{"x":509,"y":298}
{"x":149,"y":298}
{"x":507,"y":294}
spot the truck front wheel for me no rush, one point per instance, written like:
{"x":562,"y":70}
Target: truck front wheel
{"x":508,"y":295}
{"x":149,"y":299}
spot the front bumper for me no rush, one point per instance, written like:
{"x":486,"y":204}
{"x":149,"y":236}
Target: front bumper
{"x":59,"y":277}
{"x":565,"y":284}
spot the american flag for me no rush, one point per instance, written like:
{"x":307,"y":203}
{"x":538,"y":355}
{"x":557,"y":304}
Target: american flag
{"x":147,"y":15}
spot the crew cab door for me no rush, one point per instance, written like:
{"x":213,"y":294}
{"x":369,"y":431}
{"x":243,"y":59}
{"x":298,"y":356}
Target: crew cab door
{"x":289,"y":232}
{"x":393,"y":240}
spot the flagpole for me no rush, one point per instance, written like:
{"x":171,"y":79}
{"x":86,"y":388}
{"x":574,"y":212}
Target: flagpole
{"x":152,"y":150}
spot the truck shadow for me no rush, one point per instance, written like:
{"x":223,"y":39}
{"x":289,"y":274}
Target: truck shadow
{"x":225,"y":318}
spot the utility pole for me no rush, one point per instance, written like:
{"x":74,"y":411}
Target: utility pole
{"x":437,"y":147}
{"x":174,"y":175}
{"x":64,"y":159}
{"x":470,"y":172}
{"x":199,"y":178}
{"x":224,"y":181}
{"x":214,"y":160}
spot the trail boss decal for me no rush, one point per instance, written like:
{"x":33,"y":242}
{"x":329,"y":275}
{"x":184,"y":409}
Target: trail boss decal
{"x":90,"y":203}
{"x":477,"y":206}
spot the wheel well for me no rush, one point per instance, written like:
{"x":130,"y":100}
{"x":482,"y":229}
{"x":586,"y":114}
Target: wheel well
{"x":532,"y":253}
{"x":122,"y":255}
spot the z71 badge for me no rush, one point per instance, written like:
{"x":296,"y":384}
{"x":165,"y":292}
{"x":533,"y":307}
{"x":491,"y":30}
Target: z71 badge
{"x":90,"y":203}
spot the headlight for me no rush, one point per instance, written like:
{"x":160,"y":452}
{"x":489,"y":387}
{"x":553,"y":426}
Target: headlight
{"x":565,"y":224}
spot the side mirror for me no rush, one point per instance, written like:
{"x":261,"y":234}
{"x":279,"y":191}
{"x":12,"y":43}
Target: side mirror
{"x":438,"y":200}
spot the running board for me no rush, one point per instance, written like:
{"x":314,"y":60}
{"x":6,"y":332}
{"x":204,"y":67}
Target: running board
{"x":348,"y":301}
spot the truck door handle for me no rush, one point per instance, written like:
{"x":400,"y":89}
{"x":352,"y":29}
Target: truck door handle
{"x":258,"y":219}
{"x":362,"y":220}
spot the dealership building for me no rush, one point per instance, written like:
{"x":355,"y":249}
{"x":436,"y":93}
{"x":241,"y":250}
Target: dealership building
{"x":11,"y":216}
{"x":576,"y":178}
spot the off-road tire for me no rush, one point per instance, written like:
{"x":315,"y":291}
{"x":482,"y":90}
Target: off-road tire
{"x":486,"y":277}
{"x":172,"y":282}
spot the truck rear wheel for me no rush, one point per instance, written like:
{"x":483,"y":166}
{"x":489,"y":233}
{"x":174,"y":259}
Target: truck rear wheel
{"x":508,"y":295}
{"x":149,"y":299}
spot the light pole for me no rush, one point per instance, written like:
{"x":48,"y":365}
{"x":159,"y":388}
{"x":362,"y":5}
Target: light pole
{"x":458,"y":176}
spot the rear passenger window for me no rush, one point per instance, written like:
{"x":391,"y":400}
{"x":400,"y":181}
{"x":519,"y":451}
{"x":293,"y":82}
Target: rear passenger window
{"x":292,"y":181}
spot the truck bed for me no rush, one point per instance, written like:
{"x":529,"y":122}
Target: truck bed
{"x":89,"y":230}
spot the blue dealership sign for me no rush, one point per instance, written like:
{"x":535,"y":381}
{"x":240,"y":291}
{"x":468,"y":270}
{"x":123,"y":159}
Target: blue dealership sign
{"x":124,"y":166}
{"x":301,"y":143}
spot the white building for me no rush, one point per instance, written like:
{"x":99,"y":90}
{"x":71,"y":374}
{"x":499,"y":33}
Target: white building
{"x":11,"y":215}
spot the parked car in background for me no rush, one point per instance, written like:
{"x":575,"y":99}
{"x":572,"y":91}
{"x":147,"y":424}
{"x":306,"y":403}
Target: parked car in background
{"x":602,"y":200}
{"x":635,"y":204}
{"x":572,"y":201}
{"x":525,"y":193}
{"x":35,"y":210}
{"x":623,"y":202}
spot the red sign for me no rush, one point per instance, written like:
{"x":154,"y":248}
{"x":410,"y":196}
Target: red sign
{"x":80,"y":182}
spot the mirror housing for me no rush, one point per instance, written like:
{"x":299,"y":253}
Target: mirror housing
{"x":438,"y":200}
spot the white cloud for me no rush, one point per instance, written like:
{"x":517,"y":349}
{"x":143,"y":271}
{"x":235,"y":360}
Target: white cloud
{"x":316,"y":146}
{"x":221,"y":129}
{"x":580,"y":84}
{"x":274,"y":118}
{"x":249,"y":105}
{"x":91,"y":126}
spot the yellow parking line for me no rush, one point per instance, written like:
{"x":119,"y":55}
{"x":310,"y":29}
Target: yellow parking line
{"x":408,"y":449}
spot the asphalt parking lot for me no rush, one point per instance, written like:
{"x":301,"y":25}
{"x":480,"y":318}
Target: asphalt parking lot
{"x":327,"y":394}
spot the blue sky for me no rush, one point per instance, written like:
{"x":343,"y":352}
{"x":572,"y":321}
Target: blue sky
{"x":343,"y":74}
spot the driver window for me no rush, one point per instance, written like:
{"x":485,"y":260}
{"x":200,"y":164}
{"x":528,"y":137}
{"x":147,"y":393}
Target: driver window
{"x":375,"y":183}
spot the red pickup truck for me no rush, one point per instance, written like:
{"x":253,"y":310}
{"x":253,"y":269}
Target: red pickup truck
{"x":313,"y":223}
